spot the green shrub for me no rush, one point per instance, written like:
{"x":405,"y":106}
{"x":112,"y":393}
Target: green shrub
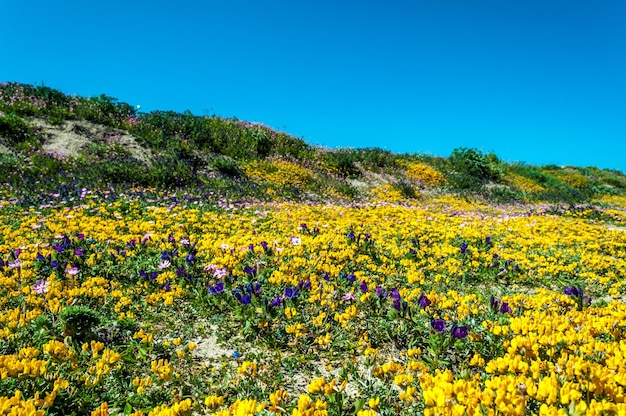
{"x":472,"y":168}
{"x":79,"y":321}
{"x":15,"y":129}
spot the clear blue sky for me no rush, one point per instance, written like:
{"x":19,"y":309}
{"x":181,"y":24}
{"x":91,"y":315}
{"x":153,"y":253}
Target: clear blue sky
{"x":539,"y":81}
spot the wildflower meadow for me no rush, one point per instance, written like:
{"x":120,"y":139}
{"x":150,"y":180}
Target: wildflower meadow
{"x":236,"y":297}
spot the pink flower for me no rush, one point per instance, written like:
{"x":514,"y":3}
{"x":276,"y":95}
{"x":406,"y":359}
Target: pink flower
{"x":348,"y":296}
{"x":72,"y":271}
{"x":41,"y":286}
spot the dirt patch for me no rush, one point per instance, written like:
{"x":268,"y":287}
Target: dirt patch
{"x":207,"y":347}
{"x":71,"y":137}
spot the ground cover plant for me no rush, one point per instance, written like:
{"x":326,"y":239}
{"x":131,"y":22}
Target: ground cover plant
{"x":244,"y":291}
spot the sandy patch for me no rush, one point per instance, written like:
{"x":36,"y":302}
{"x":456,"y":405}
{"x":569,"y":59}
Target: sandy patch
{"x":70,"y":138}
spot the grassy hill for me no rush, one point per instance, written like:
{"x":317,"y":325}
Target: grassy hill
{"x":170,"y":264}
{"x":52,"y":143}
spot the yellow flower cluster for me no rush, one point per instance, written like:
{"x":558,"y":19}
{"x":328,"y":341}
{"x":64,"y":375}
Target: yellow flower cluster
{"x":281,"y":173}
{"x":523,"y":183}
{"x":425,"y":174}
{"x":387,"y":193}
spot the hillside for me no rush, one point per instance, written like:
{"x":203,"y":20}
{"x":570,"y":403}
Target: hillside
{"x":170,"y":264}
{"x":49,"y":139}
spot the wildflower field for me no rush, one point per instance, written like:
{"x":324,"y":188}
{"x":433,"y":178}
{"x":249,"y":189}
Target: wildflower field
{"x":170,"y":264}
{"x":141,"y":305}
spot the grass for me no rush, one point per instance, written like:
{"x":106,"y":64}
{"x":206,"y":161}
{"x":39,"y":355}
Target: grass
{"x":286,"y":279}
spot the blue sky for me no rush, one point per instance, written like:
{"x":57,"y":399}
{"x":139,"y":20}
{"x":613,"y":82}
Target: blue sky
{"x":534,"y":81}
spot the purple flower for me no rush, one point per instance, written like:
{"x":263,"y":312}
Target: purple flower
{"x":348,"y":296}
{"x":79,"y":252}
{"x":41,"y":286}
{"x":40,"y":257}
{"x":251,"y":247}
{"x":494,"y":303}
{"x":459,"y":332}
{"x":351,"y":278}
{"x":505,"y":308}
{"x":249,"y":270}
{"x":395,"y":294}
{"x":438,"y":325}
{"x":326,"y":277}
{"x":363,"y":286}
{"x":396,"y":304}
{"x":423,"y":301}
{"x":80,"y":236}
{"x":291,"y":292}
{"x":487,"y":240}
{"x":463,"y":248}
{"x":264,"y":245}
{"x":217,"y":289}
{"x":276,"y":301}
{"x":245,"y":299}
{"x":573,"y":290}
{"x":382,"y":294}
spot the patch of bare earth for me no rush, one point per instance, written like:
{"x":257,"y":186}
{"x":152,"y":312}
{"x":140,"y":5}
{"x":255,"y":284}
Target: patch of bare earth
{"x":70,"y":138}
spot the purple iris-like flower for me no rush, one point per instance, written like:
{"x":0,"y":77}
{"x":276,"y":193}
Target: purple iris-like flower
{"x":423,"y":301}
{"x":351,"y":235}
{"x":396,"y":304}
{"x":291,"y":292}
{"x":382,"y":294}
{"x":363,"y":286}
{"x":304,"y":285}
{"x":264,"y":245}
{"x":131,"y":243}
{"x":40,"y":257}
{"x":54,"y":264}
{"x":190,"y":258}
{"x":2,"y":263}
{"x":438,"y":325}
{"x":395,"y":294}
{"x":276,"y":301}
{"x":251,"y":247}
{"x":351,"y":278}
{"x":459,"y":332}
{"x":79,"y":252}
{"x":167,"y":287}
{"x":573,"y":290}
{"x":249,"y":270}
{"x":245,"y":299}
{"x":326,"y":277}
{"x":171,"y":239}
{"x":487,"y":240}
{"x":217,"y":288}
{"x":505,"y":308}
{"x":463,"y":248}
{"x":80,"y":236}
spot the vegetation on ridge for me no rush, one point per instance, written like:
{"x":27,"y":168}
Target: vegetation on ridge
{"x":169,"y":264}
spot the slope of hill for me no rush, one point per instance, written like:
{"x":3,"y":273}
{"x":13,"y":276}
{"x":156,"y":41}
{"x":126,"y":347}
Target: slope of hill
{"x":49,"y":138}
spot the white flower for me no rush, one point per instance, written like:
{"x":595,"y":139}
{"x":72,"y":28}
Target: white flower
{"x":296,"y":241}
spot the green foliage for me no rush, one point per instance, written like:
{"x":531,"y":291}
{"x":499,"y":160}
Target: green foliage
{"x":14,"y":129}
{"x":79,"y":321}
{"x":342,"y":162}
{"x":406,"y":189}
{"x":472,"y":168}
